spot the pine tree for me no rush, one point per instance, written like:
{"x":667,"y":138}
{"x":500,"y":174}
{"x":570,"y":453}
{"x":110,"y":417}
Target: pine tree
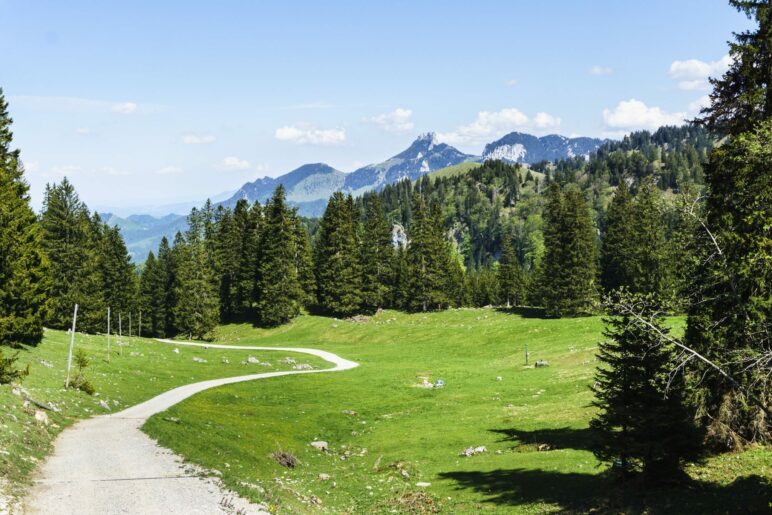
{"x":651,"y":254}
{"x":304,"y":263}
{"x":743,"y":96}
{"x":400,"y":274}
{"x":569,"y":268}
{"x":278,"y":289}
{"x":152,"y":293}
{"x":23,"y":265}
{"x":336,"y":259}
{"x":729,"y":321}
{"x":643,"y":422}
{"x":377,"y":256}
{"x":248,"y":222}
{"x":617,"y":267}
{"x":196,"y":312}
{"x":227,"y":250}
{"x":166,"y":277}
{"x":512,"y":279}
{"x":115,"y":271}
{"x":71,"y":250}
{"x":428,"y":258}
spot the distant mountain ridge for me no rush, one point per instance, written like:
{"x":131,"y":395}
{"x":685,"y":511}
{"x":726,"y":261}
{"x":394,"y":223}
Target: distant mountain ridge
{"x":309,"y":186}
{"x":518,"y":147}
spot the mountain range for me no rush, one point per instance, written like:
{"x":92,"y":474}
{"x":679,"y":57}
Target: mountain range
{"x":309,"y":186}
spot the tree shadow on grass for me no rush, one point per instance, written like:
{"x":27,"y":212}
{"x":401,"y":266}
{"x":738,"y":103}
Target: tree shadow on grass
{"x":547,"y":439}
{"x":524,"y":311}
{"x":580,"y":493}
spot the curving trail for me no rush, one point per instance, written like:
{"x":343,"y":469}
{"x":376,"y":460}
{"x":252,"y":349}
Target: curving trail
{"x":107,"y":465}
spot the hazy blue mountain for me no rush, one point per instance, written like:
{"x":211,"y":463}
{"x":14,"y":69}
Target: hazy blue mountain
{"x":518,"y":147}
{"x":143,"y":233}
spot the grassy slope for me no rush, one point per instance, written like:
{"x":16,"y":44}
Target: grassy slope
{"x":450,"y":171}
{"x":128,"y":379}
{"x":399,"y":426}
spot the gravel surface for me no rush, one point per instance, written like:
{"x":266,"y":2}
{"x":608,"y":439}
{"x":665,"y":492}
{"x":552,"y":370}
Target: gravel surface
{"x":106,"y":465}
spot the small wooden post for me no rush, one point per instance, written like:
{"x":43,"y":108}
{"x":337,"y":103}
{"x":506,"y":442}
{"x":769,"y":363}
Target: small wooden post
{"x":72,"y":344}
{"x":129,"y":324}
{"x":108,"y":334}
{"x":139,"y":333}
{"x":120,"y":335}
{"x":526,"y":353}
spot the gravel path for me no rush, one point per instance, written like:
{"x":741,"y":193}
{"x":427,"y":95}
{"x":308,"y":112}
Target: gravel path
{"x":106,"y":465}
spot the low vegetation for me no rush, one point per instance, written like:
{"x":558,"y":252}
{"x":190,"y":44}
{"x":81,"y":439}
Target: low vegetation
{"x":393,"y":444}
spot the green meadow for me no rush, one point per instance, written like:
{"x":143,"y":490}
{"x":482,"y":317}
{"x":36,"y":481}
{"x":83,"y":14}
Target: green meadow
{"x":394,"y":446}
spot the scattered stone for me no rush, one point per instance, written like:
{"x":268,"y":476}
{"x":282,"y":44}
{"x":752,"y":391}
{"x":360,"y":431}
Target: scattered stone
{"x":287,"y":361}
{"x":349,"y":412}
{"x":404,"y":473}
{"x":104,"y":405}
{"x":46,"y":364}
{"x":359,"y":319}
{"x":16,"y":391}
{"x":544,"y":447}
{"x":473,"y":451}
{"x":324,"y":477}
{"x":199,"y":360}
{"x":225,"y":361}
{"x":176,"y":350}
{"x":499,"y":378}
{"x":134,"y":354}
{"x":252,"y":359}
{"x":320,"y":445}
{"x":423,"y":484}
{"x":41,"y":417}
{"x":303,"y":366}
{"x":542,"y":363}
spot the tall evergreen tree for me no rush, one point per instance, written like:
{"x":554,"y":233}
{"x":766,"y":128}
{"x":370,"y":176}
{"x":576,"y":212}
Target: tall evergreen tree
{"x":248,"y":222}
{"x":71,"y":249}
{"x":196,"y":312}
{"x":568,"y":276}
{"x":428,"y":258}
{"x":643,"y":422}
{"x":279,"y":294}
{"x":304,"y":263}
{"x":336,"y":259}
{"x":166,"y":273}
{"x":152,"y":294}
{"x":512,"y":279}
{"x":377,"y":256}
{"x":617,"y":267}
{"x":23,"y":266}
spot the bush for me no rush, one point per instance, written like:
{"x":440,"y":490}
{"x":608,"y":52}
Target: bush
{"x":8,"y":373}
{"x":81,"y":383}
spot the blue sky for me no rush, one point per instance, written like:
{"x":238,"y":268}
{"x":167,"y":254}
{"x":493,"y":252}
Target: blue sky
{"x":144,"y":103}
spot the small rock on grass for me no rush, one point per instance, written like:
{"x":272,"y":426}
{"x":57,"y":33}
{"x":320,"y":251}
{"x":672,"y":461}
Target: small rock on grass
{"x":324,"y":477}
{"x":41,"y":417}
{"x":320,"y":445}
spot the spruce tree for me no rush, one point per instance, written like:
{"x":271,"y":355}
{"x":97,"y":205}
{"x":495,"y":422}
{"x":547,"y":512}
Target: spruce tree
{"x":166,"y":277}
{"x":279,"y":294}
{"x":617,"y":267}
{"x":512,"y":279}
{"x":196,"y":312}
{"x":336,"y":259}
{"x":377,"y":256}
{"x":428,"y":258}
{"x":304,"y":263}
{"x":248,"y":221}
{"x":643,"y":423}
{"x":400,"y":279}
{"x":569,"y":268}
{"x":152,"y":294}
{"x":23,"y":266}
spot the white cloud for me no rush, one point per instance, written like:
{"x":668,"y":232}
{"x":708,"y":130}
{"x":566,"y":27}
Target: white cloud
{"x":31,"y":166}
{"x":693,"y":74}
{"x":195,"y":139}
{"x":512,"y":82}
{"x":169,"y":170}
{"x":634,"y":114}
{"x":109,"y":170}
{"x":398,"y":121}
{"x":493,"y":124}
{"x":82,"y":131}
{"x":703,"y":101}
{"x":235,"y":163}
{"x":124,"y":107}
{"x":306,"y":134}
{"x":601,"y":70}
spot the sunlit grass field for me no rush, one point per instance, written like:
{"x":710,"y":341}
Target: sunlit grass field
{"x":400,"y":451}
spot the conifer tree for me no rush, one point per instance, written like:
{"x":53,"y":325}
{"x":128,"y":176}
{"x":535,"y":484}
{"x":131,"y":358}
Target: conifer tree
{"x":23,"y":265}
{"x":512,"y":279}
{"x":152,"y":294}
{"x":336,"y":259}
{"x":166,"y":277}
{"x":304,"y":263}
{"x":569,"y":269}
{"x":617,"y":267}
{"x":227,"y":251}
{"x":196,"y":312}
{"x":71,"y":249}
{"x":400,"y":277}
{"x":377,"y":256}
{"x":643,"y":422}
{"x":115,"y":270}
{"x":248,"y":221}
{"x":428,"y":258}
{"x":278,"y":289}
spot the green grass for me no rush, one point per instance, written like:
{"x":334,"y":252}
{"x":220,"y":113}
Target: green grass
{"x":400,"y":427}
{"x":453,"y":170}
{"x":143,"y":369}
